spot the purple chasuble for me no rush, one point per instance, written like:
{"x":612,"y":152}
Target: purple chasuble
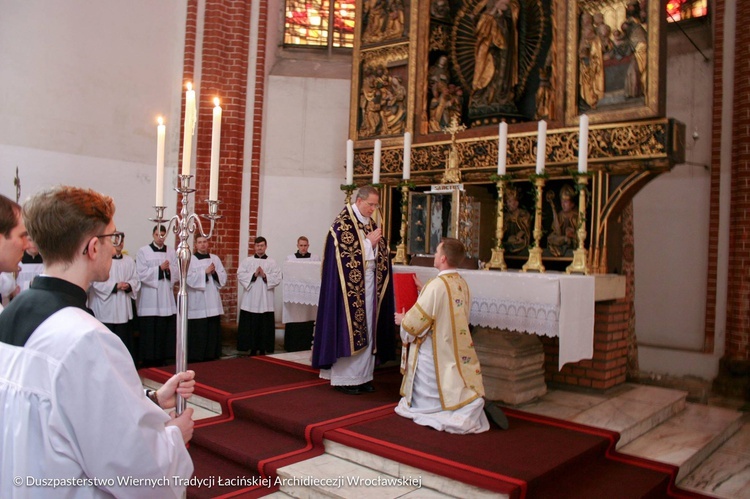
{"x":341,"y":326}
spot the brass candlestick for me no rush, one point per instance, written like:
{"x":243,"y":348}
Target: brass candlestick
{"x":498,"y":253}
{"x":535,"y":254}
{"x":580,"y":255}
{"x":185,"y":224}
{"x":348,"y":188}
{"x":400,"y":257}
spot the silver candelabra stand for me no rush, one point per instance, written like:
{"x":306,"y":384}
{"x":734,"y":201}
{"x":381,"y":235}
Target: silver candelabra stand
{"x":184,"y":225}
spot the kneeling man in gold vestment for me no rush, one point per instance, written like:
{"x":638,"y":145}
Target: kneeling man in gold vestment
{"x":442,"y":386}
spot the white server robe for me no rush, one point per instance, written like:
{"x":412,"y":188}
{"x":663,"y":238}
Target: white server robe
{"x":204,"y":299}
{"x":258,"y":295}
{"x":73,"y":407}
{"x":114,"y":307}
{"x":156,"y":297}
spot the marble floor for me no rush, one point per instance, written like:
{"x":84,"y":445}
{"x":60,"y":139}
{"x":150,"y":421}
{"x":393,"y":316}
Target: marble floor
{"x":710,"y":442}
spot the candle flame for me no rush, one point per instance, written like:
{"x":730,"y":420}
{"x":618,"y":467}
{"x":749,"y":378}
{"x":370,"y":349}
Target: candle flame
{"x":160,"y":120}
{"x":189,"y":86}
{"x":216,"y":101}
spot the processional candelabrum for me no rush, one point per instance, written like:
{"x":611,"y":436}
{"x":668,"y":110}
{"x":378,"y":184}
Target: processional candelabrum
{"x":183,"y":225}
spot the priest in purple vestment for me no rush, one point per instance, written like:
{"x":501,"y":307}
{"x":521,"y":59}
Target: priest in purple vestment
{"x":354,"y":330}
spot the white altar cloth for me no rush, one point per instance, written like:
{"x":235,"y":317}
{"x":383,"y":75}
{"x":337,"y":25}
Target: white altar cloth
{"x":301,"y":288}
{"x":551,"y":304}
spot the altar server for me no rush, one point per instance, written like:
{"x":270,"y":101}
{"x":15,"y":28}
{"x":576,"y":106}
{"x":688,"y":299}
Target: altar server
{"x":206,"y":276}
{"x":71,"y":402}
{"x":258,"y":275}
{"x":157,"y":269}
{"x":112,"y":300}
{"x":32,"y":264}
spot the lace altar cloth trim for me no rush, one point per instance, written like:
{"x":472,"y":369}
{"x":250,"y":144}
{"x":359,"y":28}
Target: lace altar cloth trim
{"x":516,"y":316}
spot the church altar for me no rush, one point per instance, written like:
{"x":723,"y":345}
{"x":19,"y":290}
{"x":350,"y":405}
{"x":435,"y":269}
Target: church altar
{"x":549,"y":304}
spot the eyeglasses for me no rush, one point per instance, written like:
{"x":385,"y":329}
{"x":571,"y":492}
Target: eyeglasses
{"x":374,"y":205}
{"x":115,"y":237}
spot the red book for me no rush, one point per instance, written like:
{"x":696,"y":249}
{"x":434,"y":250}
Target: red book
{"x":405,"y":291}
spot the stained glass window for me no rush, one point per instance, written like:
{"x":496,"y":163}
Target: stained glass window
{"x":679,"y":10}
{"x":307,"y":23}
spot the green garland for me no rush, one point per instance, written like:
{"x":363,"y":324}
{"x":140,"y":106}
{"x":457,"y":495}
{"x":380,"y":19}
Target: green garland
{"x":505,"y":178}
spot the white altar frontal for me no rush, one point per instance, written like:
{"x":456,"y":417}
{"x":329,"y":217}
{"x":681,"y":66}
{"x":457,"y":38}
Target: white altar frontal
{"x":507,"y":310}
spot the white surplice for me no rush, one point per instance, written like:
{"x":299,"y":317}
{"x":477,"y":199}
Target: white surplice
{"x":73,"y":407}
{"x":204,"y":299}
{"x":257,"y":297}
{"x":114,"y":307}
{"x":156,"y":297}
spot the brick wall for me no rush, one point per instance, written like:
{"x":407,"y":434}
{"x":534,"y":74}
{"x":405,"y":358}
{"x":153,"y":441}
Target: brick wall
{"x":738,"y":305}
{"x":608,"y":366}
{"x":224,"y":74}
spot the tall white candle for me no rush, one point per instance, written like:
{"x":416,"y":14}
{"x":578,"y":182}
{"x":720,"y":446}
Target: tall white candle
{"x":407,"y":155}
{"x":376,"y":163}
{"x":189,"y":127}
{"x":502,"y":149}
{"x":213,"y":186}
{"x":583,"y":144}
{"x":541,"y":147}
{"x":349,"y":162}
{"x":160,"y":135}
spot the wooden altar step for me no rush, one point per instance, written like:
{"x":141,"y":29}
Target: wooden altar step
{"x":654,"y":423}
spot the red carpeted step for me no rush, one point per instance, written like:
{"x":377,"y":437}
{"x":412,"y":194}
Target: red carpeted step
{"x":245,"y":442}
{"x":535,"y":457}
{"x":271,"y":428}
{"x":233,"y":376}
{"x":215,"y":476}
{"x":290,"y":411}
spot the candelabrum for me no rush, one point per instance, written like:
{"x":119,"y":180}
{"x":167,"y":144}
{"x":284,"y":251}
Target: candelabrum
{"x":535,"y":254}
{"x":348,"y":188}
{"x":400,"y":257}
{"x":184,"y":225}
{"x":580,"y":256}
{"x":497,"y":261}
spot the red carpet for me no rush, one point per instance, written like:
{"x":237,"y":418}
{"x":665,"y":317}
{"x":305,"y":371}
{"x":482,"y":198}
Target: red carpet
{"x":277,"y":413}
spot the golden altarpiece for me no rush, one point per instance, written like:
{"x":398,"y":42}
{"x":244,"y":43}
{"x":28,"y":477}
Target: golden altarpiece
{"x":450,"y":71}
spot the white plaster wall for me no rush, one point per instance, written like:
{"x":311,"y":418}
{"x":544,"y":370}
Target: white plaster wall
{"x":304,"y":157}
{"x":81,"y":85}
{"x":671,"y":229}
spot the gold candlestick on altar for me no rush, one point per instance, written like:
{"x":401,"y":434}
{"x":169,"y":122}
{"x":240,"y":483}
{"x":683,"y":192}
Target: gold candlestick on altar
{"x":580,"y":256}
{"x":535,"y":254}
{"x":400,"y":257}
{"x":348,"y":188}
{"x":498,"y":253}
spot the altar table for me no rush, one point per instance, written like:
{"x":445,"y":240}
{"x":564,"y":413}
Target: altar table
{"x":549,"y":304}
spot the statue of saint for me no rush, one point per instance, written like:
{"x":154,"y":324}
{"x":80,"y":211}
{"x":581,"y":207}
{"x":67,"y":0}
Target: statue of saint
{"x":394,"y":110}
{"x":563,"y":239}
{"x":516,"y":225}
{"x":495,"y":53}
{"x":452,"y":174}
{"x":590,"y":62}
